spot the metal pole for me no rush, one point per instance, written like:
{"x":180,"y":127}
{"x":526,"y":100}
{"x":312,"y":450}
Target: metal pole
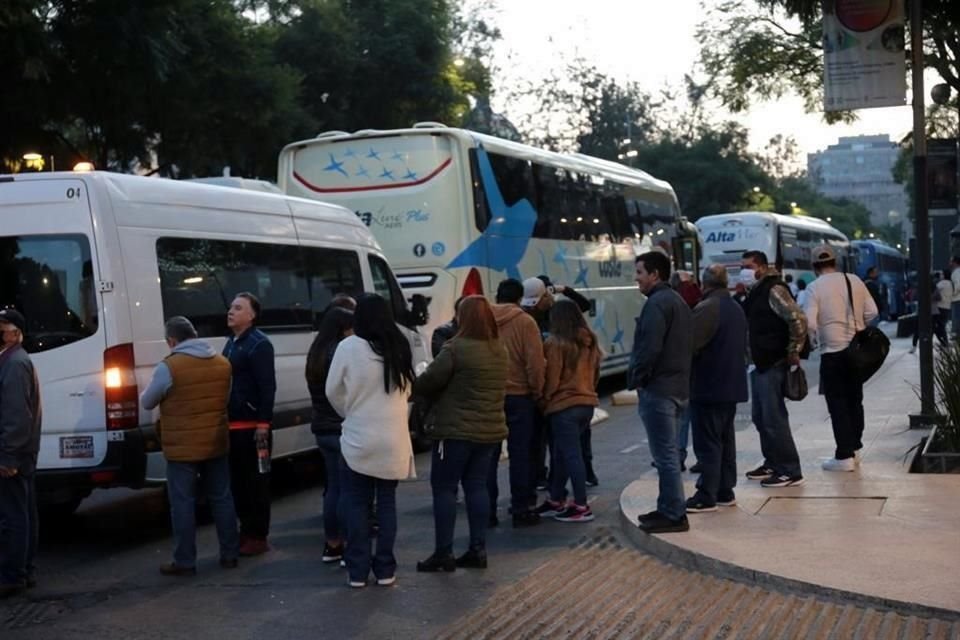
{"x":921,"y":219}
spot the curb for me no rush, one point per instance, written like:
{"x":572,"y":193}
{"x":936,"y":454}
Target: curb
{"x":673,"y":554}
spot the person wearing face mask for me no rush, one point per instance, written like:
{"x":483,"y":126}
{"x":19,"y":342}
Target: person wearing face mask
{"x":777,"y":332}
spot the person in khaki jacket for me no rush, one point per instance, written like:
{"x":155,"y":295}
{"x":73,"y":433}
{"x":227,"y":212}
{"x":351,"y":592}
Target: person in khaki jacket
{"x":525,"y":371}
{"x":192,"y":387}
{"x":569,"y":397}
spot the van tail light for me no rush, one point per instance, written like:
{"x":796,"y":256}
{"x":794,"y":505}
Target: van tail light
{"x":473,"y":286}
{"x":120,"y":384}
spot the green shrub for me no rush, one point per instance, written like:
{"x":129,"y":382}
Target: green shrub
{"x":946,"y":379}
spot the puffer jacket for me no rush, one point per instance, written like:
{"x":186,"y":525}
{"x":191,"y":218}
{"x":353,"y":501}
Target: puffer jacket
{"x":520,"y":336}
{"x":572,"y":373}
{"x":466,"y":383}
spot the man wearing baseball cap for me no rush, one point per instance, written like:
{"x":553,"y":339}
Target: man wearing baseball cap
{"x":19,"y":446}
{"x":832,"y":323}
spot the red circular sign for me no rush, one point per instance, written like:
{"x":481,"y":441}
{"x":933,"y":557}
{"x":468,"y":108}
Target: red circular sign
{"x":863,"y":15}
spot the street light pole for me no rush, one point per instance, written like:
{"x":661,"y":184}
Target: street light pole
{"x":927,"y":416}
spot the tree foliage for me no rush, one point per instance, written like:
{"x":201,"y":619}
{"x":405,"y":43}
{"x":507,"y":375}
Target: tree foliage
{"x":191,"y":86}
{"x":764,"y":49}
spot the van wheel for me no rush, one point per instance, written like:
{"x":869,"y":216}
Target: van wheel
{"x":60,"y":509}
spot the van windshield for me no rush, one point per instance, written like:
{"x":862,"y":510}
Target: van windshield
{"x":49,"y":278}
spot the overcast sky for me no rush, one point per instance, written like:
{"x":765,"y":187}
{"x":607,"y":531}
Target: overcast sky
{"x":652,"y":42}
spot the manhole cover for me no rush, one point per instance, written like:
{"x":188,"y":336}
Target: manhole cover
{"x":809,"y":506}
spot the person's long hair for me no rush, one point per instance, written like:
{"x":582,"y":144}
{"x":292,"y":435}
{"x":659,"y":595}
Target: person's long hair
{"x":569,"y":327}
{"x":475,"y":319}
{"x":373,"y":321}
{"x":335,"y":324}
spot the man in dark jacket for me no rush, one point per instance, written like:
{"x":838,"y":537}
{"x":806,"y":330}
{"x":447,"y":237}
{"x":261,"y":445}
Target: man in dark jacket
{"x":191,"y":386}
{"x":445,"y":331}
{"x":19,"y":446}
{"x":777,"y":333}
{"x":250,"y":411}
{"x":660,"y":371}
{"x":718,"y":383}
{"x":876,"y":289}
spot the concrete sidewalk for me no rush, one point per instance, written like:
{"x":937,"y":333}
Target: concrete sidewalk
{"x":878,"y":536}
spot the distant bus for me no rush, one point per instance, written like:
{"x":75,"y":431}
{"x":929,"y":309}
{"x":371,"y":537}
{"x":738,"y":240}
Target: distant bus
{"x":787,"y":241}
{"x":457,"y":211}
{"x":892,"y":266}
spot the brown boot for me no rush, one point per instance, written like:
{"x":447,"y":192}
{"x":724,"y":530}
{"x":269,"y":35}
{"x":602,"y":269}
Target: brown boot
{"x":254,"y":547}
{"x":172,"y":569}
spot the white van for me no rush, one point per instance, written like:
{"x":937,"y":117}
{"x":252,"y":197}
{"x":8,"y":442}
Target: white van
{"x":97,"y":261}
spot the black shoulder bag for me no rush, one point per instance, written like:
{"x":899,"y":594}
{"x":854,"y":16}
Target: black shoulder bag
{"x":869,"y":347}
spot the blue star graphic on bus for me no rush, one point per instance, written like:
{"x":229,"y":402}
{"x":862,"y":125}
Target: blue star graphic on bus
{"x":373,"y":154}
{"x":503,"y":244}
{"x":362,"y":171}
{"x":387,"y":173}
{"x":560,"y":257}
{"x":335,"y":166}
{"x":618,"y":336}
{"x":410,"y":175}
{"x":581,"y":274}
{"x":349,"y":153}
{"x":544,"y":269}
{"x":397,"y":156}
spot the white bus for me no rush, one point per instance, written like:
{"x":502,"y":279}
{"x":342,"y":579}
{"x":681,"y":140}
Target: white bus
{"x":97,"y":261}
{"x":787,"y":241}
{"x":457,"y":211}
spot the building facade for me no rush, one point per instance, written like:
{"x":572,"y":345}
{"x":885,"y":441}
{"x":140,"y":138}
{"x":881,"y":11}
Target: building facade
{"x":860,"y":168}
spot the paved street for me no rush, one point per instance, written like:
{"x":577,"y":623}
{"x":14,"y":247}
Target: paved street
{"x":99,"y":576}
{"x":99,"y":568}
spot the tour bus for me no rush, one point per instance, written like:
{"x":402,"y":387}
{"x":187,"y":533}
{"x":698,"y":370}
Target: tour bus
{"x":97,"y":261}
{"x":457,"y":211}
{"x":786,"y":240}
{"x":892,"y":268}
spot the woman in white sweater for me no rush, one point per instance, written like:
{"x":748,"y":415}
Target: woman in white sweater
{"x":368,"y":384}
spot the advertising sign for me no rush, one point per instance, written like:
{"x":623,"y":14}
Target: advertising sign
{"x":942,"y":176}
{"x":863,"y":61}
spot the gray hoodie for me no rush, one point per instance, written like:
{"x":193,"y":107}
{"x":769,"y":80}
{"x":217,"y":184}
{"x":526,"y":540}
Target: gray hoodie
{"x":163,"y":380}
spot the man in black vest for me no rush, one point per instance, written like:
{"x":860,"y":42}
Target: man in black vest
{"x":778,"y":331}
{"x":718,"y":382}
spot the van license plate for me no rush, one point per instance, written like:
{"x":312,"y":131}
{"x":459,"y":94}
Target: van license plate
{"x":76,"y":447}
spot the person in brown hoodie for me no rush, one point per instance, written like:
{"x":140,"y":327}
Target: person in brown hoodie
{"x":569,"y":397}
{"x":525,"y":374}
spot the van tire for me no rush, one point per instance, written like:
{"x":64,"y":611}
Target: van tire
{"x":61,"y":509}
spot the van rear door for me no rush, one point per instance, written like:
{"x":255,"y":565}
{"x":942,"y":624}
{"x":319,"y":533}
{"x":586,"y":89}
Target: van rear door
{"x":49,"y":271}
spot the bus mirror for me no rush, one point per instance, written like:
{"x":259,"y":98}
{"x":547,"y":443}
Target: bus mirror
{"x":419,"y":310}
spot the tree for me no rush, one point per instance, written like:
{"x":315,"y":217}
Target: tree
{"x":763,"y":49}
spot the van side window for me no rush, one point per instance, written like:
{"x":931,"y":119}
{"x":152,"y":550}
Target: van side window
{"x":199,"y":278}
{"x":385,"y":284}
{"x":49,"y":278}
{"x":331,"y":271}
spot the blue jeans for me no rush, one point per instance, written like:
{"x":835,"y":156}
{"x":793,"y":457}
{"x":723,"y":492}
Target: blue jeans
{"x":358,"y":491}
{"x":715,"y":444}
{"x":567,"y":462}
{"x":456,"y":462}
{"x":522,"y":449}
{"x":661,"y":417}
{"x":772,"y":421}
{"x":333,"y":528}
{"x":18,"y":529}
{"x":683,"y":436}
{"x":182,"y":490}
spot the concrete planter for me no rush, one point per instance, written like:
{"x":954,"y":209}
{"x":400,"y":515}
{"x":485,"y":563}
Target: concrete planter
{"x":932,"y":459}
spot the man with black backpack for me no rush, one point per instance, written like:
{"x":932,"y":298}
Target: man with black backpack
{"x":839,"y":305}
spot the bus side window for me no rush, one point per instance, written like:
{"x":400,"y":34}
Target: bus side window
{"x":384,"y":284}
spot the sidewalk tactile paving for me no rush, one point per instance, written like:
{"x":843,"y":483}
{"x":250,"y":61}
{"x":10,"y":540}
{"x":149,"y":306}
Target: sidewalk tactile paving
{"x":602,"y":589}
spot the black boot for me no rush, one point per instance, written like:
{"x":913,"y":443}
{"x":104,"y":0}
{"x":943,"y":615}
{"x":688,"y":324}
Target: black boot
{"x":474,"y":558}
{"x":438,"y":562}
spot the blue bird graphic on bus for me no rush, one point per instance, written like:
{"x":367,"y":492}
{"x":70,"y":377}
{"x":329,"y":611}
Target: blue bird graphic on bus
{"x":503,"y":244}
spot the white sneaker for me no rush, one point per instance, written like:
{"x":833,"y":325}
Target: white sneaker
{"x":912,"y":350}
{"x":857,"y":457}
{"x":847,"y":464}
{"x":387,"y":582}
